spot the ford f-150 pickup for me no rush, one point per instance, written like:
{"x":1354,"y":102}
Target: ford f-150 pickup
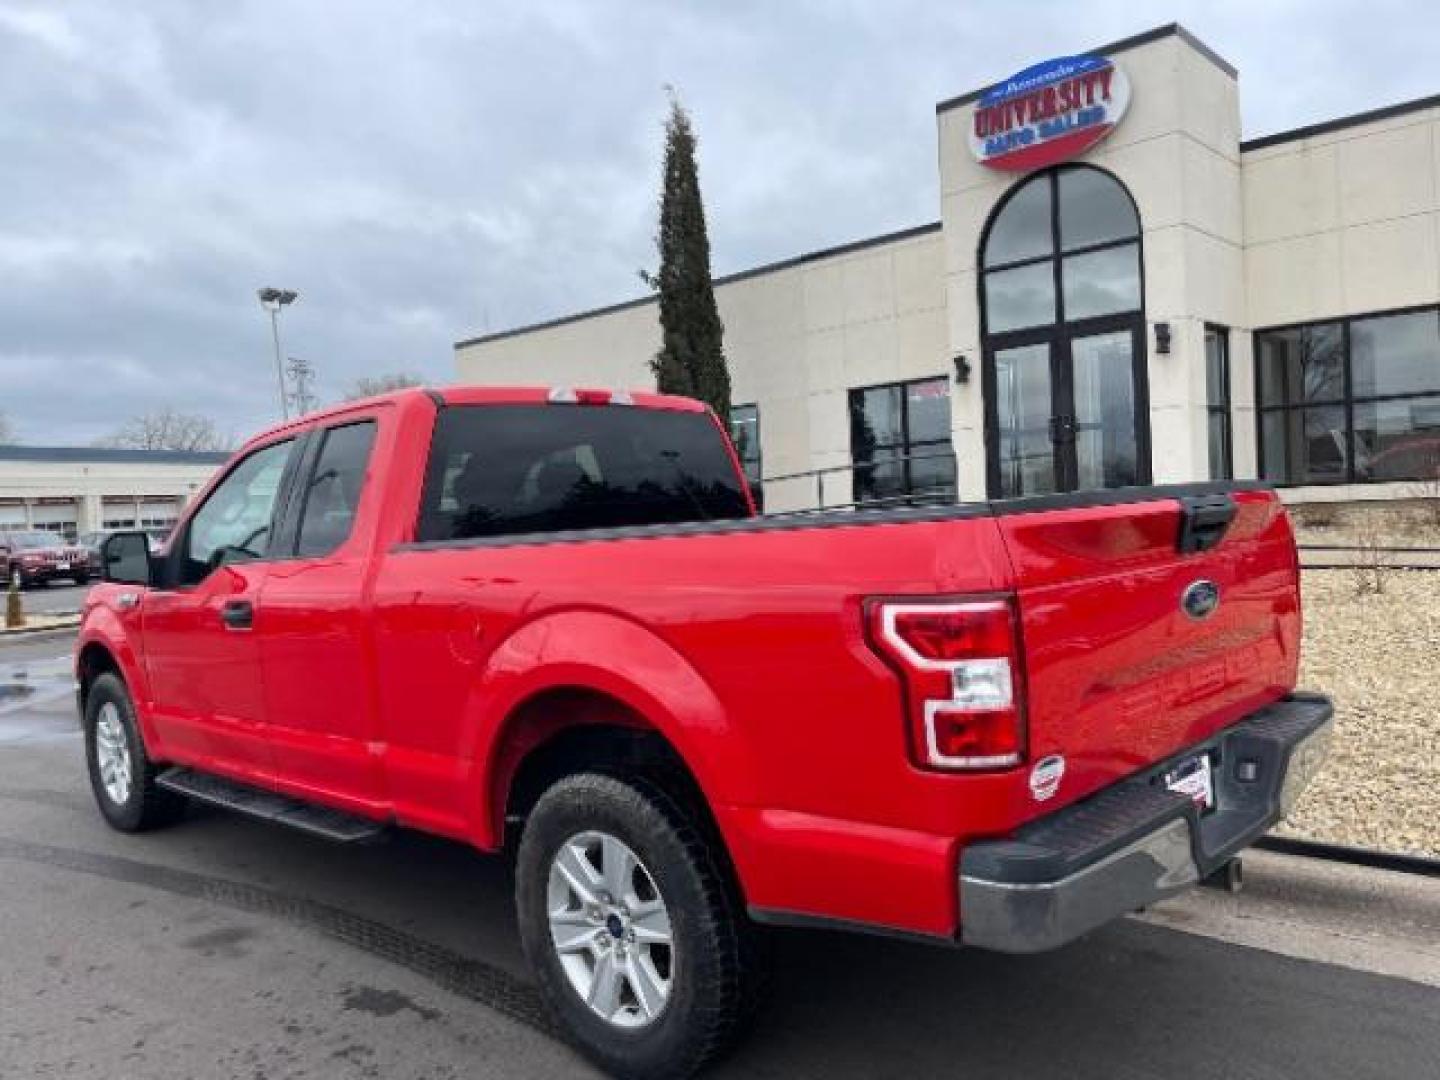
{"x":550,"y":622}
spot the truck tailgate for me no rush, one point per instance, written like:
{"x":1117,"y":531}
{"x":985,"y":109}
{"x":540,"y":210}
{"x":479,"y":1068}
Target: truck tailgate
{"x":1119,"y":674}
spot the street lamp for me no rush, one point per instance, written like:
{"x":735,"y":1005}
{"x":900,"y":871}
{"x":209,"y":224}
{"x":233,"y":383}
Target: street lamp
{"x":272,"y":300}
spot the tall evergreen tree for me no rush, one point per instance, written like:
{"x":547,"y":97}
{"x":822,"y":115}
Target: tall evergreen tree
{"x":691,"y":359}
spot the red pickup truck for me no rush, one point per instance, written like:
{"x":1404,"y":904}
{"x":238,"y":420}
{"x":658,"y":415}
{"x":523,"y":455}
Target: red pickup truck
{"x":551,"y":621}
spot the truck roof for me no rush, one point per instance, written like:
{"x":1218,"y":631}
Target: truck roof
{"x":496,"y":395}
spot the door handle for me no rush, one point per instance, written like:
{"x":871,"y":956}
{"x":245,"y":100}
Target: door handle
{"x":238,"y":614}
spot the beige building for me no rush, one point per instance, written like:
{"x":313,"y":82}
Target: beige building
{"x":1119,"y":290}
{"x":77,"y":490}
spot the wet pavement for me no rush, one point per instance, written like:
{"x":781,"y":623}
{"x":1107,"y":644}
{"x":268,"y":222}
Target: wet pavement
{"x":226,"y":948}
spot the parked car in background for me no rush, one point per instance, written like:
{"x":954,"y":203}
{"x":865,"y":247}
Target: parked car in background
{"x":32,"y":557}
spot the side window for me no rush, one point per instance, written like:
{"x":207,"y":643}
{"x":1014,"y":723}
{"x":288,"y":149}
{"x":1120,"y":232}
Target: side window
{"x":333,"y":494}
{"x":234,"y":523}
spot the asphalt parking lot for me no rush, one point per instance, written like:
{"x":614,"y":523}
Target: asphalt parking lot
{"x":231,"y":949}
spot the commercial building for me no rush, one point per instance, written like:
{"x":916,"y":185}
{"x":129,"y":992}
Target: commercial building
{"x":1118,"y":290}
{"x":75,"y":490}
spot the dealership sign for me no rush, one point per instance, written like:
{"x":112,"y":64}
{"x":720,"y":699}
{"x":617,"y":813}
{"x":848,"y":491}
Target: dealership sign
{"x":1048,"y":113}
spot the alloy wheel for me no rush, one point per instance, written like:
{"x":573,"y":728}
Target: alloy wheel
{"x":112,"y":754}
{"x":610,"y":929}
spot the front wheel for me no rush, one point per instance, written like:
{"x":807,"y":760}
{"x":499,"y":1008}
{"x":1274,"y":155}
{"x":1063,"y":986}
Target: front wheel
{"x":122,"y":775}
{"x":633,"y":928}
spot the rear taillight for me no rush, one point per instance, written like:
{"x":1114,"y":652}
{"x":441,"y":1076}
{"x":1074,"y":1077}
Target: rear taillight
{"x":960,"y":662}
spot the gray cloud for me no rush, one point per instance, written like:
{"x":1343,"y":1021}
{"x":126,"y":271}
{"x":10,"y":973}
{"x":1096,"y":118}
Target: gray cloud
{"x":425,"y":172}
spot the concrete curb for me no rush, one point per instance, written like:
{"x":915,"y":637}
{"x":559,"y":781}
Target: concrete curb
{"x":30,"y":633}
{"x":1386,"y":922}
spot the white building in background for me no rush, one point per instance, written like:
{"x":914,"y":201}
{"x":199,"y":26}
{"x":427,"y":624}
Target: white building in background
{"x":75,"y":490}
{"x":1119,"y":289}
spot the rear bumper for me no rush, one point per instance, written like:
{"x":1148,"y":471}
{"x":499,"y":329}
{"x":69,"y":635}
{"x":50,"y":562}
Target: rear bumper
{"x":1135,"y":842}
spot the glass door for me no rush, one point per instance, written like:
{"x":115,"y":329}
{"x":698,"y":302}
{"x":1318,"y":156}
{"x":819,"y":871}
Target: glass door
{"x":1066,"y":410}
{"x":1103,"y":450}
{"x":1023,"y":452}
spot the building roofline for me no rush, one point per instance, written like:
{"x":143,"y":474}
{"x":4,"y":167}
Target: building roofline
{"x":728,"y":279}
{"x":1145,"y":37}
{"x":109,"y":455}
{"x":1324,"y":127}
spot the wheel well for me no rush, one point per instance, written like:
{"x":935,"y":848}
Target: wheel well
{"x":95,"y":660}
{"x":564,"y":732}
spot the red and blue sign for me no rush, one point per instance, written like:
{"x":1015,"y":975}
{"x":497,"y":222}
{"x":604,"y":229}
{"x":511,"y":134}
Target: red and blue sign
{"x":1048,"y":113}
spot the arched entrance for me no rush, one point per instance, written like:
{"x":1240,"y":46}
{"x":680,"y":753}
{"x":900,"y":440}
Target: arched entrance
{"x":1063,"y":319}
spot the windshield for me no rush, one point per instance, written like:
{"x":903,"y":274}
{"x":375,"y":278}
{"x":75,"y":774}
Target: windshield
{"x":28,"y":541}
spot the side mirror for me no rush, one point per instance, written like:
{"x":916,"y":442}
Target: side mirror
{"x":125,"y":559}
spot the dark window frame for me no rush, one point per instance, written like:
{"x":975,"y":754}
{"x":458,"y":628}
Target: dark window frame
{"x":1061,"y":331}
{"x":1220,"y":407}
{"x":910,"y":448}
{"x":1346,"y":402}
{"x":759,"y":455}
{"x":756,"y":479}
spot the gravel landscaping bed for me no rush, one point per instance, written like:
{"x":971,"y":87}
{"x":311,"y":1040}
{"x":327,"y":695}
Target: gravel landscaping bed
{"x":1378,"y":657}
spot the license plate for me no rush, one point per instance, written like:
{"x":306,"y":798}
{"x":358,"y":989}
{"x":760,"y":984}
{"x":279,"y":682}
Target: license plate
{"x":1193,"y":777}
{"x":62,"y":566}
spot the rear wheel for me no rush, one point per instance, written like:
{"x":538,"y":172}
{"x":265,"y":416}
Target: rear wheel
{"x":122,"y":775}
{"x":635,"y":933}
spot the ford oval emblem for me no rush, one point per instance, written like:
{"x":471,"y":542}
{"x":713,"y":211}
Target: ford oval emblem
{"x":1200,"y":599}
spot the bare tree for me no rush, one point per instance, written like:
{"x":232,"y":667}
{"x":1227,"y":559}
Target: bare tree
{"x":167,"y":429}
{"x":370,"y":385}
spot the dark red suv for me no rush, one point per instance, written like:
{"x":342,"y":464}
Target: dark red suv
{"x":33,"y":557}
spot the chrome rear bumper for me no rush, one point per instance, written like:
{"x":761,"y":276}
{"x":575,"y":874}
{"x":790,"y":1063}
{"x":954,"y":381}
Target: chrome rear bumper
{"x":1136,"y":842}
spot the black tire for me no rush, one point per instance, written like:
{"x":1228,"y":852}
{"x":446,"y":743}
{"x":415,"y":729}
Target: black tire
{"x":147,"y":806}
{"x":81,"y":579}
{"x":720,"y":961}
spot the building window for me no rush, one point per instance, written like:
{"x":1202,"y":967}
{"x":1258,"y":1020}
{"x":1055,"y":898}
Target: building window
{"x":1350,"y":401}
{"x":900,"y":442}
{"x":1217,"y":401}
{"x":1062,"y":306}
{"x":745,"y":433}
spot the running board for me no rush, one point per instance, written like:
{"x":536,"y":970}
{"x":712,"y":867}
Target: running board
{"x":321,"y":821}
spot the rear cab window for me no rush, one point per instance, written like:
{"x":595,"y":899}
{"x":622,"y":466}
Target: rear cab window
{"x":498,"y":470}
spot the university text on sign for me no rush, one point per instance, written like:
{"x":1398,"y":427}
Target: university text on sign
{"x":1049,"y":112}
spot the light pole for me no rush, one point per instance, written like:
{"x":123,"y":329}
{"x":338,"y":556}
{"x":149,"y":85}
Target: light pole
{"x":272,"y":300}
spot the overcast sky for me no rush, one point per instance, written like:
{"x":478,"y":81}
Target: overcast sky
{"x":423,"y":172}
